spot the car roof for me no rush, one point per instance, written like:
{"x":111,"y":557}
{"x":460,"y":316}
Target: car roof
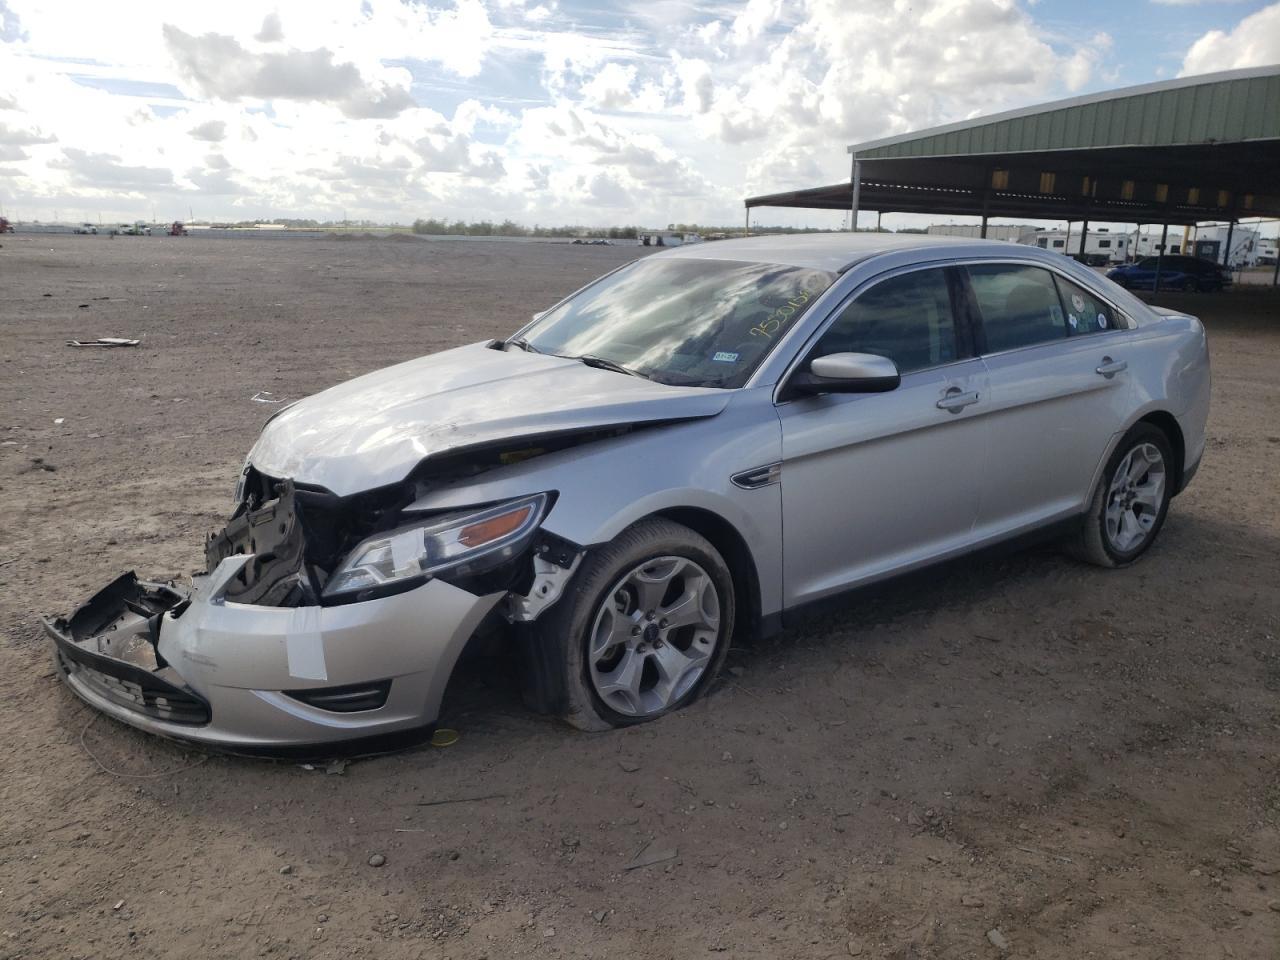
{"x":834,"y":252}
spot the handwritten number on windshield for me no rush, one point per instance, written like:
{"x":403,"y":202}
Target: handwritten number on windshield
{"x":768,"y":327}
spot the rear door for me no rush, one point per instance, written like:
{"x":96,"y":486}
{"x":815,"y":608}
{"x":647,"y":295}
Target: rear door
{"x":1060,"y":389}
{"x":877,"y":482}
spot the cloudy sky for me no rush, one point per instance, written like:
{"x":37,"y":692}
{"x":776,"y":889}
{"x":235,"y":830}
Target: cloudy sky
{"x":544,"y":111}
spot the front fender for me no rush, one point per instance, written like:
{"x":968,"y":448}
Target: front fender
{"x":606,"y":485}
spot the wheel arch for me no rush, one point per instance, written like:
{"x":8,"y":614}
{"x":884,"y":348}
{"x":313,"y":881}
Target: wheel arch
{"x":732,"y":546}
{"x":1167,"y":424}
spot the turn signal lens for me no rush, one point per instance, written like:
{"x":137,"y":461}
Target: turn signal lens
{"x":486,"y":531}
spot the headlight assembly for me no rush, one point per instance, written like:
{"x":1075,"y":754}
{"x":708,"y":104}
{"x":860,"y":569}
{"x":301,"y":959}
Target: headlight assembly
{"x":465,"y":543}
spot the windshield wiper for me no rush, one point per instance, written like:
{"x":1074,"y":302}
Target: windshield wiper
{"x":604,"y":363}
{"x":523,"y":344}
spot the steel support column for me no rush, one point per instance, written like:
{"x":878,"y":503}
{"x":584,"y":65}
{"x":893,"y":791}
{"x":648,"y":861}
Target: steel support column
{"x":1164,"y":237}
{"x":855,"y":178}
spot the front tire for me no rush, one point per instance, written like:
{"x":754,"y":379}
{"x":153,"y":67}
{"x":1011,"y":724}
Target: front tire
{"x":645,"y":626}
{"x":1131,"y":501}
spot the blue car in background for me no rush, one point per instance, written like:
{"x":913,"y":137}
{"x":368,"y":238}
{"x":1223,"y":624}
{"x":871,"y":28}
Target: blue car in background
{"x":1192,"y":274}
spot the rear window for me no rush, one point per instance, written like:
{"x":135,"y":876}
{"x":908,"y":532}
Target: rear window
{"x":1085,"y":313}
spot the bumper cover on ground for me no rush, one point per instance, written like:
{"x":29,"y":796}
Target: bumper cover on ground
{"x":193,"y":666}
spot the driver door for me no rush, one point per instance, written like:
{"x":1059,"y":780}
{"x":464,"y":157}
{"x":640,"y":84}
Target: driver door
{"x":876,"y":483}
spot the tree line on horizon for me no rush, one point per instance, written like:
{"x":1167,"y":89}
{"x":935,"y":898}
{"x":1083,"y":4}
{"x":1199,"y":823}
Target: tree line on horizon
{"x":509,"y":228}
{"x":434,"y":226}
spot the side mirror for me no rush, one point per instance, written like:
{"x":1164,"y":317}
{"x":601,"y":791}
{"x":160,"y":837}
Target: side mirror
{"x":847,"y":373}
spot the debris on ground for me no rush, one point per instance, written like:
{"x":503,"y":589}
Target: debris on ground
{"x":104,"y":342}
{"x":441,"y":803}
{"x":444,"y":737}
{"x":998,"y":939}
{"x":377,"y":860}
{"x":653,"y":852}
{"x":266,"y":396}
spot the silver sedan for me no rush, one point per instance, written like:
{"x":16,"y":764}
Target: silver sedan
{"x":701,"y":444}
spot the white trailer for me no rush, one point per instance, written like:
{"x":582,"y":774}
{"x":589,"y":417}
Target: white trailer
{"x":1105,"y":245}
{"x":1011,"y":233}
{"x":1101,"y":246}
{"x":1210,"y":243}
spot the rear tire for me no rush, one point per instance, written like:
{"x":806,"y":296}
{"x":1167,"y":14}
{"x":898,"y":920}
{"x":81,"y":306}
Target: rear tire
{"x":1131,"y":501}
{"x":644,"y":627}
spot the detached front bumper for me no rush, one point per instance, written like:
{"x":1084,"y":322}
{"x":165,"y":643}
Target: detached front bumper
{"x":257,"y":679}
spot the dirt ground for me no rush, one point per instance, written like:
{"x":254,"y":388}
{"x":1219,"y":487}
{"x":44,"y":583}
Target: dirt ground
{"x":1086,"y":762}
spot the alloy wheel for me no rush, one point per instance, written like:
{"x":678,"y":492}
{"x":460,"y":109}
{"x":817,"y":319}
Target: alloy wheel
{"x":654,"y":636}
{"x":1135,"y":498}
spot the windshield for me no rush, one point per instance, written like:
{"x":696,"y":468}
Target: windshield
{"x":705,"y":323}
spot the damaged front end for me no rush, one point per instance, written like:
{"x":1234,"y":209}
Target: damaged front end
{"x":319,"y":620}
{"x":110,"y":647}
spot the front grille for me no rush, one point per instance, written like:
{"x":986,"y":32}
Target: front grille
{"x":159,"y":700}
{"x":349,"y":699}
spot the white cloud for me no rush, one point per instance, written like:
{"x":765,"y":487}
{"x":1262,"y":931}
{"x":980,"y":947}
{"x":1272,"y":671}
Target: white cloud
{"x":221,"y":68}
{"x":211,"y":131}
{"x":104,"y":170}
{"x":1254,"y":42}
{"x":646,"y":111}
{"x":23,"y":137}
{"x":610,"y":88}
{"x":272,"y":31}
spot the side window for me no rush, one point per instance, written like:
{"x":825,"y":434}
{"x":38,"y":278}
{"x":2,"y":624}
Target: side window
{"x":1019,"y":305}
{"x":906,"y":318}
{"x":1085,"y":312}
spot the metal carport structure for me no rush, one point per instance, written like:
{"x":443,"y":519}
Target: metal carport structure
{"x":1177,"y":152}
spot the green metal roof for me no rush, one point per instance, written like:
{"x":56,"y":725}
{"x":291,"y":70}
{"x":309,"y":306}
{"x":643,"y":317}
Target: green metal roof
{"x":1180,"y":151}
{"x":1234,"y":106}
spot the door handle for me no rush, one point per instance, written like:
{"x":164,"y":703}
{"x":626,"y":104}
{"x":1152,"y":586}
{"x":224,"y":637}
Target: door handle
{"x":954,"y":401}
{"x":1110,"y":368}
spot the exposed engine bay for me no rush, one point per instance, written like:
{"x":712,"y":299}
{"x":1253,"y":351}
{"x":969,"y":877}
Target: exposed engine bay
{"x":295,"y":536}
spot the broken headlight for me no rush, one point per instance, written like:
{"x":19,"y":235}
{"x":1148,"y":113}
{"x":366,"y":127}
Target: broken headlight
{"x":469,"y":542}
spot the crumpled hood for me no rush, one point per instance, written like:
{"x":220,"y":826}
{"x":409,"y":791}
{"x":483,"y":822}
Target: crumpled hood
{"x":373,"y":430}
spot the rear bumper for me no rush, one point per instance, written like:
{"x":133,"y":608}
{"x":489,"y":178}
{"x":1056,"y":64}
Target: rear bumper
{"x":246,"y":678}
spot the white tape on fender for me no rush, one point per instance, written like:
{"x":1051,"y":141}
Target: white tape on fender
{"x":304,"y":646}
